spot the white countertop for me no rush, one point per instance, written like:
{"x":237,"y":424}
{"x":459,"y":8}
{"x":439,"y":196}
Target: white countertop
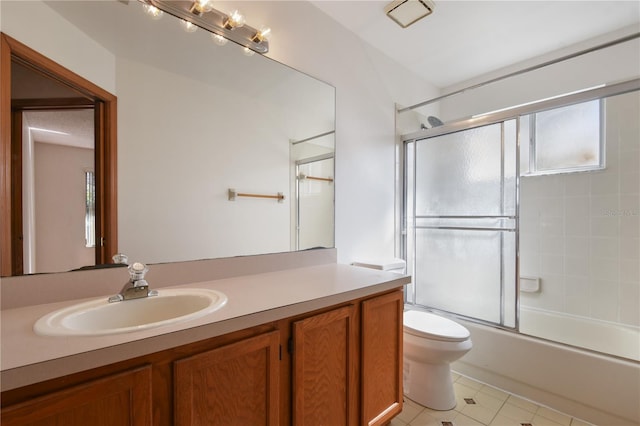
{"x":253,"y":300}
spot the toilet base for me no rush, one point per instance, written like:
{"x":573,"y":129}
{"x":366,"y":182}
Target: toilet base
{"x":430,"y":385}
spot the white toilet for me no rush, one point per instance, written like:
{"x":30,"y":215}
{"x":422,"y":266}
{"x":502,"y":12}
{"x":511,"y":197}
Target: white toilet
{"x":431,"y":343}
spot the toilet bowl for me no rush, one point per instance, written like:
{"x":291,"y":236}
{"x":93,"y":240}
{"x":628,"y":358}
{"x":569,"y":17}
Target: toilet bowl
{"x":431,"y":343}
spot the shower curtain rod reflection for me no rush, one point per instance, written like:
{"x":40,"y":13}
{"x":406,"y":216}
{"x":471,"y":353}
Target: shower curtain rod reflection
{"x":522,"y":71}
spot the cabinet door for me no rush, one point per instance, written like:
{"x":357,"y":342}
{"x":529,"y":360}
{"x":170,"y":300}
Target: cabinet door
{"x":325,"y":369}
{"x":119,"y":400}
{"x":381,"y":372}
{"x":237,"y":384}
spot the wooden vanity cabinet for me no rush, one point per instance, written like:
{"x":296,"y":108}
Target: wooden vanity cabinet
{"x":324,"y":384}
{"x":121,"y":399}
{"x":336,"y":366}
{"x":237,"y":384}
{"x":347,"y":364}
{"x":381,"y":379}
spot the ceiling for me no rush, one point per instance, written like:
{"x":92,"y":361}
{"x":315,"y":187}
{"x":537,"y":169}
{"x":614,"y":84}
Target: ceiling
{"x":70,"y":127}
{"x":464,"y":39}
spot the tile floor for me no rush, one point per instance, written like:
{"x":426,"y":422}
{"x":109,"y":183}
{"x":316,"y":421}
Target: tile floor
{"x":485,"y":406}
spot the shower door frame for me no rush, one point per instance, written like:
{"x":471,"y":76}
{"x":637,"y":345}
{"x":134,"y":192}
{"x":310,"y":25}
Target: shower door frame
{"x":499,"y":116}
{"x":405,"y":234}
{"x":298,"y":163}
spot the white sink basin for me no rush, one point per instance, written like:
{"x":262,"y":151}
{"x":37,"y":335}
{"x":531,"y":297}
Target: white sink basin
{"x":99,"y":317}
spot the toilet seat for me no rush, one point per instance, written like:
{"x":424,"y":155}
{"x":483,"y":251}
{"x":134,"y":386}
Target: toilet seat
{"x":434,"y":327}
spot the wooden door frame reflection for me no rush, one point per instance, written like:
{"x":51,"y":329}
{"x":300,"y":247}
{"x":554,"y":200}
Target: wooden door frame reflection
{"x":105,"y":105}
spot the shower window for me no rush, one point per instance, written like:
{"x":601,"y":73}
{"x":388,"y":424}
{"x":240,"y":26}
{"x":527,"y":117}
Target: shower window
{"x":561,"y":140}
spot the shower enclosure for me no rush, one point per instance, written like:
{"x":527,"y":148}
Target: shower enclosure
{"x":312,"y":184}
{"x":461,"y":212}
{"x":529,"y":219}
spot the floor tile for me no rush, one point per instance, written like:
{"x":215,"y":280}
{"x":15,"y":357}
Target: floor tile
{"x":441,"y":415}
{"x":426,"y":419}
{"x":463,"y":392}
{"x":495,"y":392}
{"x":480,"y":413}
{"x":553,"y":415}
{"x":397,"y":422}
{"x":516,"y":413}
{"x":462,"y":420}
{"x":490,"y":407}
{"x":410,"y":410}
{"x":543,"y":421}
{"x":501,"y":420}
{"x":522,"y":403}
{"x":488,"y":401}
{"x":469,"y":383}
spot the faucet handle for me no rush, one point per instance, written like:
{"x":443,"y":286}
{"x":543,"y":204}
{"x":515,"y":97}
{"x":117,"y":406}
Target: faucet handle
{"x":137,"y":270}
{"x":120,"y":258}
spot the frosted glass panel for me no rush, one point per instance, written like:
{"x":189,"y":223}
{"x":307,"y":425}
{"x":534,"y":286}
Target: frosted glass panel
{"x":460,"y":173}
{"x":459,"y":271}
{"x":568,"y":137}
{"x":461,"y":222}
{"x":510,"y":168}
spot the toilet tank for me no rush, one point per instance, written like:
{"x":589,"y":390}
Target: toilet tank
{"x":390,"y":265}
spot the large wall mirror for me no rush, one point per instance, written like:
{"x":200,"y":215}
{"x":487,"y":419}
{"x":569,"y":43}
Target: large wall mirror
{"x":194,"y":120}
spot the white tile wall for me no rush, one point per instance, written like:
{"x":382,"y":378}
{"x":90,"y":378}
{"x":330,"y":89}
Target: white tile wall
{"x":580,"y":232}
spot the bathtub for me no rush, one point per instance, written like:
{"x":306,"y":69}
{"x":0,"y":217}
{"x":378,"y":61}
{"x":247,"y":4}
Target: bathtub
{"x":600,"y":389}
{"x":602,"y":336}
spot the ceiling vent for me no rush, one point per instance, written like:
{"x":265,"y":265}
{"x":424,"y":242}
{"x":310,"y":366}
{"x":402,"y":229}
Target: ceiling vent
{"x":406,"y":12}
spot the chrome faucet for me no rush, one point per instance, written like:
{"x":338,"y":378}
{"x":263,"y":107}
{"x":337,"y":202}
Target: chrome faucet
{"x":137,"y":287}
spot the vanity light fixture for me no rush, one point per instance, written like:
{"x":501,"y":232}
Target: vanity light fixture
{"x":234,"y":20}
{"x":230,"y":26}
{"x":201,"y":6}
{"x":407,"y":12}
{"x":261,"y":35}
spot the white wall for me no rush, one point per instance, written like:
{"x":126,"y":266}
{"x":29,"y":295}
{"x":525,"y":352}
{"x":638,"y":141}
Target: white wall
{"x":614,"y":64}
{"x":37,"y":26}
{"x":173,"y":179}
{"x":367,"y":86}
{"x":60,"y":204}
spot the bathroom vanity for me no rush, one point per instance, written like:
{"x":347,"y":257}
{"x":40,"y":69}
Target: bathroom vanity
{"x":319,"y":344}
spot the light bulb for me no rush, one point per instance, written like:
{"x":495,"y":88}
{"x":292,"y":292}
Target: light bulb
{"x":248,"y":52}
{"x":219,"y":40}
{"x":201,"y":6}
{"x":261,"y":35}
{"x":234,"y":20}
{"x":189,"y":27}
{"x":153,"y":11}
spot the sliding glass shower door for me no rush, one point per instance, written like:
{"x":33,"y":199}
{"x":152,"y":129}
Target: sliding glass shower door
{"x":461,"y":209}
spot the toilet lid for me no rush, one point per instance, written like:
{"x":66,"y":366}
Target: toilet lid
{"x":431,"y":326}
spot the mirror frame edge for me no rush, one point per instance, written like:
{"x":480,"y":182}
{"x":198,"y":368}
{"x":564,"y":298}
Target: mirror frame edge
{"x":105,"y":150}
